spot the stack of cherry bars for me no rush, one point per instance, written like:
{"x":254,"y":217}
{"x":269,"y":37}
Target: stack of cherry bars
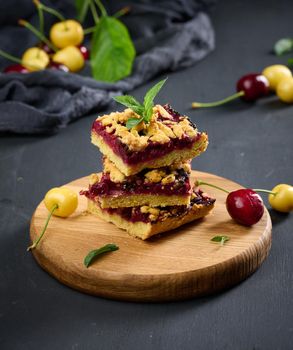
{"x":146,"y":187}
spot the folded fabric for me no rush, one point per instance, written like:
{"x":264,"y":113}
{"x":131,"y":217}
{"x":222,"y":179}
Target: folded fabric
{"x":172,"y":35}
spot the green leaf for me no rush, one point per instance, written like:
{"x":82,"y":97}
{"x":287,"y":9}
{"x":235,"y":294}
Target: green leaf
{"x":132,"y":122}
{"x":92,"y":255}
{"x":82,"y":7}
{"x":283,"y":46}
{"x":127,"y":100}
{"x":112,"y":50}
{"x":145,"y":110}
{"x":220,"y":239}
{"x":152,"y":93}
{"x":290,"y":62}
{"x":148,"y":114}
{"x":130,"y":102}
{"x":148,"y":101}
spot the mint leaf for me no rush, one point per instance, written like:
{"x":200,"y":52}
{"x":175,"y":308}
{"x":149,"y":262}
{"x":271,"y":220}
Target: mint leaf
{"x":148,"y":114}
{"x":112,"y":50}
{"x":145,"y":110}
{"x":148,"y":101}
{"x":132,"y":122}
{"x":130,"y":102}
{"x":127,"y":100}
{"x":283,"y":46}
{"x":152,"y":93}
{"x":92,"y":255}
{"x":220,"y":239}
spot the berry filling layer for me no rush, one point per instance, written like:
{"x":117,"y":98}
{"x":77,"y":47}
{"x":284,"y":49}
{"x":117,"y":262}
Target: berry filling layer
{"x":166,"y":183}
{"x":168,"y":131}
{"x":148,"y":214}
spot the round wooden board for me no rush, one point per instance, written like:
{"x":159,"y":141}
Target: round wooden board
{"x":178,"y":264}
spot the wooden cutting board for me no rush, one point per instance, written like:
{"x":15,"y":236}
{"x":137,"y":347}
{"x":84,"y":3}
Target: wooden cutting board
{"x":179,"y":264}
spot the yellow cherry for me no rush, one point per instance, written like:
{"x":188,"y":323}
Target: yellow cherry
{"x":35,"y":59}
{"x":275,"y":74}
{"x":282,"y":200}
{"x":64,"y":198}
{"x":285,"y":90}
{"x":60,"y":201}
{"x":66,"y":33}
{"x":71,"y":57}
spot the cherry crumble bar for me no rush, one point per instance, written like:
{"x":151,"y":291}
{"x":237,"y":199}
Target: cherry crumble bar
{"x":165,"y":186}
{"x":145,"y":221}
{"x":168,"y":138}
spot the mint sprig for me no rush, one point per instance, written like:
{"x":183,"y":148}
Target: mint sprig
{"x":144,"y":110}
{"x":93,"y":254}
{"x":220,"y":239}
{"x":283,"y":46}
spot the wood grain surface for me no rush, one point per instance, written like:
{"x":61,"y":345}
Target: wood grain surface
{"x":179,"y":264}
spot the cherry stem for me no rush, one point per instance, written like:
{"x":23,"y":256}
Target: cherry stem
{"x":38,"y":34}
{"x":122,"y":12}
{"x":199,"y":182}
{"x":10,"y":57}
{"x":101,"y":7}
{"x":89,"y":30}
{"x":83,"y":11}
{"x":94,"y":12}
{"x":52,"y":11}
{"x":36,"y":242}
{"x":41,"y":16}
{"x":265,"y":191}
{"x":16,"y":59}
{"x":217,"y":103}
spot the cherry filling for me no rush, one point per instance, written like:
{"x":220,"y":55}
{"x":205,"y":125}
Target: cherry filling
{"x":134,"y":214}
{"x":153,"y":150}
{"x":135,"y":185}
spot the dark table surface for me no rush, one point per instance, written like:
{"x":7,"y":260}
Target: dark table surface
{"x":249,"y":143}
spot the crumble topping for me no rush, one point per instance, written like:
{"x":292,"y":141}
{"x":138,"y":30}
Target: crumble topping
{"x":186,"y":166}
{"x":115,"y":174}
{"x":168,"y":179}
{"x":155,"y":175}
{"x":164,"y":175}
{"x":153,"y":212}
{"x":162,"y":128}
{"x":93,"y":178}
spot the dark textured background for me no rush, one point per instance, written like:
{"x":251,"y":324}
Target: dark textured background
{"x":250,"y":144}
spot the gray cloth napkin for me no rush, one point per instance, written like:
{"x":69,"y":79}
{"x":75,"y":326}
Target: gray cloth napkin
{"x":168,"y":35}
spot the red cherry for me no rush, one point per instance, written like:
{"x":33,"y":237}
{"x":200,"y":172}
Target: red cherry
{"x":249,"y":88}
{"x":15,"y":68}
{"x":254,"y":86}
{"x":245,"y":206}
{"x":58,"y":66}
{"x":84,"y":51}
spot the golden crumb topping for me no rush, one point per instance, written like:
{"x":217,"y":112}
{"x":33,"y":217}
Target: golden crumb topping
{"x":168,"y":179}
{"x":93,"y":178}
{"x":186,"y":166}
{"x":161,"y":129}
{"x":164,"y":175}
{"x":115,"y":174}
{"x":154,"y":212}
{"x":155,"y":175}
